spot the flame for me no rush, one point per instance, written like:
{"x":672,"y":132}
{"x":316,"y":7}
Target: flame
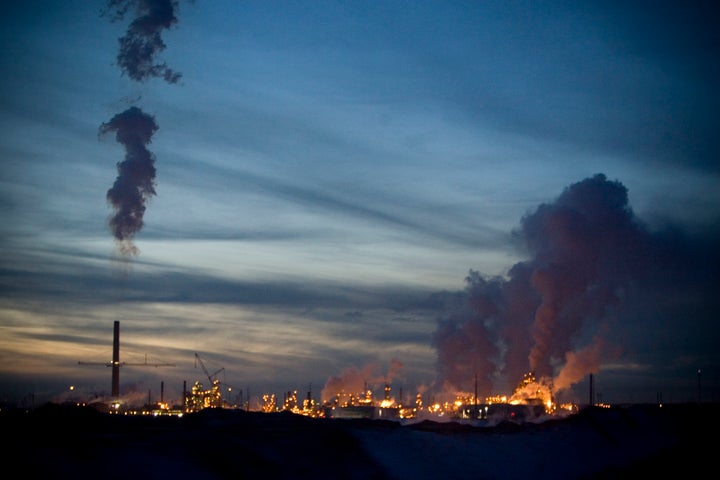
{"x":531,"y":391}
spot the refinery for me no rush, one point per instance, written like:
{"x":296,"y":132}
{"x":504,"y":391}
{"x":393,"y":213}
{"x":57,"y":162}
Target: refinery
{"x":518,"y":407}
{"x":531,"y":399}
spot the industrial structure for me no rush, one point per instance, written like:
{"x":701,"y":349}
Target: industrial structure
{"x":531,"y":398}
{"x":199,"y":397}
{"x":116,"y":364}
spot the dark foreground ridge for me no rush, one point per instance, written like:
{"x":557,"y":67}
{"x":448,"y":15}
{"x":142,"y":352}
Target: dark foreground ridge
{"x":56,"y":441}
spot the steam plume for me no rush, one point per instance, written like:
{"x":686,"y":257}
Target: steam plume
{"x":353,"y":382}
{"x":135,"y":182}
{"x":142,"y":41}
{"x":549,"y":314}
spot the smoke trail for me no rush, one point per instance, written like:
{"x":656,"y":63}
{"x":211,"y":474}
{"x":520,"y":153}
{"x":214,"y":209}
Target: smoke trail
{"x":350,"y":383}
{"x":465,"y":342}
{"x":395,"y":370}
{"x":142,"y":41}
{"x":135,"y":182}
{"x":134,"y":129}
{"x":548,"y":315}
{"x":353,"y":382}
{"x":585,"y":248}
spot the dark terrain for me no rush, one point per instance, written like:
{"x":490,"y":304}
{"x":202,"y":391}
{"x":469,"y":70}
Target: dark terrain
{"x":57,"y":441}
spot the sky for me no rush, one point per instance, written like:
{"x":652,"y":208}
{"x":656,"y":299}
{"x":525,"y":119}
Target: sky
{"x":306,"y":194}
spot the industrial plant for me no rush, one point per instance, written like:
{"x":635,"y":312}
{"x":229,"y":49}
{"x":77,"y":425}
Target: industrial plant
{"x":531,"y":399}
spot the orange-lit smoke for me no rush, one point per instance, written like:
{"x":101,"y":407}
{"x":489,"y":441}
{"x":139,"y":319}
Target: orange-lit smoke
{"x":583,"y":249}
{"x":353,"y":382}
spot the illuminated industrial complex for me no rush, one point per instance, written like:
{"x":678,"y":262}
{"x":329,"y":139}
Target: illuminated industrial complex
{"x":532,"y":398}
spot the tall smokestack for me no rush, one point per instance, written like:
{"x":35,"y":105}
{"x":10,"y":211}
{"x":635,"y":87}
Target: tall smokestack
{"x":116,"y":360}
{"x":162,"y":392}
{"x":475,"y":398}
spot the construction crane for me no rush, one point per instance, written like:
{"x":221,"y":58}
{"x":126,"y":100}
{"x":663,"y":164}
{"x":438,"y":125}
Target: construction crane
{"x":212,"y":378}
{"x":116,"y":363}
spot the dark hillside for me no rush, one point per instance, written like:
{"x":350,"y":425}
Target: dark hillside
{"x":57,"y":441}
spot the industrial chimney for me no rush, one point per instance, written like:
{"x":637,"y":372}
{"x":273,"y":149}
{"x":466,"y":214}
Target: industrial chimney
{"x":116,"y":360}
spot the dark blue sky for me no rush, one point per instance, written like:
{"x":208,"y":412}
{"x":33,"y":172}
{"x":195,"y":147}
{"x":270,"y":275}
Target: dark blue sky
{"x":327,"y":175}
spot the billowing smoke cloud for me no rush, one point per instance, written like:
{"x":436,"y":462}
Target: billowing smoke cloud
{"x":135,"y":182}
{"x":133,"y":128}
{"x":142,"y":41}
{"x":549,"y":315}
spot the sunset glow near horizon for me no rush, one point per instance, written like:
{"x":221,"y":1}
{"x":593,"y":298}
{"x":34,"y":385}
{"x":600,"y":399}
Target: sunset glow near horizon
{"x":415,"y":192}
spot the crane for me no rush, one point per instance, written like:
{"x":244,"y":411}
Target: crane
{"x":212,"y":378}
{"x":116,"y":363}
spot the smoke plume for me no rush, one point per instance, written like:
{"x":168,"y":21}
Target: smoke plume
{"x":142,"y":41}
{"x":134,"y":129}
{"x":354,"y":382}
{"x":549,"y":314}
{"x":135,"y":182}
